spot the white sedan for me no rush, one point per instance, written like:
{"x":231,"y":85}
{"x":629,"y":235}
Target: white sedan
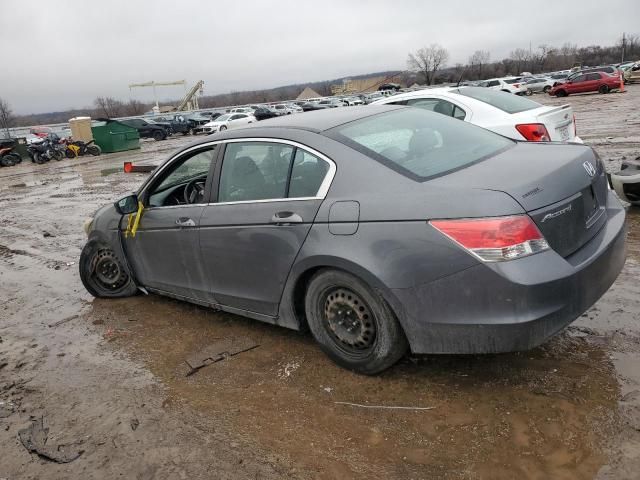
{"x":515,"y":117}
{"x":228,"y":121}
{"x":507,"y":84}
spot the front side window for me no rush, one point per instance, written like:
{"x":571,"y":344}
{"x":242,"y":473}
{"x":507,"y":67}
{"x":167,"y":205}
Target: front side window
{"x":419,"y":144}
{"x":184,"y":181}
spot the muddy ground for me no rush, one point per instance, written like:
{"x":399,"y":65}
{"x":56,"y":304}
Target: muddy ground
{"x":109,"y":378}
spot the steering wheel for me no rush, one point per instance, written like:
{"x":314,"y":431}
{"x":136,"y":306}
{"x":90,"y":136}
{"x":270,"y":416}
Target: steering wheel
{"x":194,"y":191}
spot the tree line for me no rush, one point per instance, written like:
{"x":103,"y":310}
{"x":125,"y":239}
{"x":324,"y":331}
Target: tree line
{"x":427,"y":65}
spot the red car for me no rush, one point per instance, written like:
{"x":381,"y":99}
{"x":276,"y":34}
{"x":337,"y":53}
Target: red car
{"x":587,"y":82}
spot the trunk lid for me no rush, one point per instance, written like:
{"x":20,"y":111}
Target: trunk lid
{"x":562,"y":187}
{"x":557,"y":120}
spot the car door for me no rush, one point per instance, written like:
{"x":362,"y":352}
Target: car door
{"x":592,"y":82}
{"x":266,"y":196}
{"x":165,"y":253}
{"x":577,"y":84}
{"x":234,"y":120}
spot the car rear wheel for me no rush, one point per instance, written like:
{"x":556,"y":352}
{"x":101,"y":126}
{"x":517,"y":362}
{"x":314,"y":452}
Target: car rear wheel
{"x":546,"y":89}
{"x":603,"y":89}
{"x":352,"y":323}
{"x":102,"y":274}
{"x":159,"y":135}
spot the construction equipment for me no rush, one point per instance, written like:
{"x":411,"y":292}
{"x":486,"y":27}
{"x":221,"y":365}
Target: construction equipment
{"x":157,"y":84}
{"x":190,"y":100}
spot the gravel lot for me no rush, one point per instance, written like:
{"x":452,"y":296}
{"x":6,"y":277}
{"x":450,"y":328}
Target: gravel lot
{"x":109,"y":377}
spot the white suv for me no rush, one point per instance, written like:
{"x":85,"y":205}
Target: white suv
{"x":507,"y":84}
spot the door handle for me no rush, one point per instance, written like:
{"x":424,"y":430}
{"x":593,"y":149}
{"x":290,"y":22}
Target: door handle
{"x":286,"y":218}
{"x":185,"y":222}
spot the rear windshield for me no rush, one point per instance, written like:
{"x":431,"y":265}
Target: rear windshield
{"x":504,"y":101}
{"x":512,"y":80}
{"x":418,"y":143}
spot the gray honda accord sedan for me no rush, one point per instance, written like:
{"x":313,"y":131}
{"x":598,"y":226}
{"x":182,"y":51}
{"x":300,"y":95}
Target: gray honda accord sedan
{"x":380,"y":228}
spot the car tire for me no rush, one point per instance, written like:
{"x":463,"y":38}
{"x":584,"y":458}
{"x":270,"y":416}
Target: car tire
{"x":528,"y":92}
{"x":102,"y":274}
{"x":159,"y":135}
{"x":546,"y":89}
{"x":603,"y":89}
{"x":222,"y":128}
{"x":336,"y":301}
{"x":561,"y":93}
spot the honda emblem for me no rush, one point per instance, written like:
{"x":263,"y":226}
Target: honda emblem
{"x":591,"y":170}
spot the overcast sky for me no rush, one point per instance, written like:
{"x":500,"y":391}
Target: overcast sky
{"x":63,"y":53}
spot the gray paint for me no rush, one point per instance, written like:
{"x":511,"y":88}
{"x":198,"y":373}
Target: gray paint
{"x":344,"y":217}
{"x":447,"y":301}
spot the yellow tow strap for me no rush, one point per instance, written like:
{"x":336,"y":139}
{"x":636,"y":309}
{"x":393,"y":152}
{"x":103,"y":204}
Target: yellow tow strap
{"x":134,"y":221}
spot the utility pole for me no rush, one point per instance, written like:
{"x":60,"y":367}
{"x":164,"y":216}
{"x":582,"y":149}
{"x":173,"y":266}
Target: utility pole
{"x":623,"y":46}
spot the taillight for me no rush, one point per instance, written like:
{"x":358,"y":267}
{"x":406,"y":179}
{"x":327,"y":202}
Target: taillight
{"x":517,"y":85}
{"x":495,"y":239}
{"x":128,"y":167}
{"x":534,"y":132}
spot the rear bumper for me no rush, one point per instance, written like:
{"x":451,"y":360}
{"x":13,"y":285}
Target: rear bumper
{"x":517,"y":305}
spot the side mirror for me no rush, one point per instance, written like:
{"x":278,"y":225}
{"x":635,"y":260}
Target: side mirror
{"x":127,"y":205}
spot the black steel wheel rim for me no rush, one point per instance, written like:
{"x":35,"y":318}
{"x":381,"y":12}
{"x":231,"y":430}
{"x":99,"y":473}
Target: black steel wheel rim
{"x":107,"y":271}
{"x":348,"y":321}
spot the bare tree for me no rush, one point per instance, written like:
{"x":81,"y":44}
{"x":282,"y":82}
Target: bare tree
{"x":6,"y":116}
{"x":479,"y":59}
{"x":428,"y":61}
{"x":108,"y":107}
{"x":519,"y":57}
{"x":134,"y":107}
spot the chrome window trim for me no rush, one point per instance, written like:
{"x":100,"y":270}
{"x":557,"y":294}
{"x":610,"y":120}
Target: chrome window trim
{"x":320,"y":194}
{"x":168,"y":162}
{"x":324,"y":186}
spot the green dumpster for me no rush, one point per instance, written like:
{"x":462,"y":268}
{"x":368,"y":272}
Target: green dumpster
{"x":113,"y":136}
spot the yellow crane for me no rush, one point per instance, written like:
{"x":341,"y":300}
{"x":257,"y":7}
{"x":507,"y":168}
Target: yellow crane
{"x":158,"y":84}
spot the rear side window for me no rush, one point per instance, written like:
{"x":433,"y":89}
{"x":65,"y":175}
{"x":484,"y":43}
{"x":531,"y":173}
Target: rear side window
{"x":420,"y":144}
{"x":438,"y":106}
{"x":307,"y":175}
{"x":593,"y":76}
{"x":503,"y":101}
